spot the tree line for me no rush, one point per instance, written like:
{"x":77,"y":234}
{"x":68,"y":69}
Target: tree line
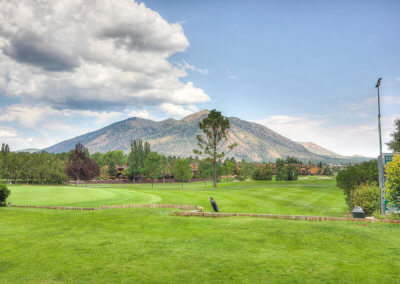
{"x":32,"y":168}
{"x":140,"y":164}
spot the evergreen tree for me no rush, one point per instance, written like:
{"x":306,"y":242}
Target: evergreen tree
{"x":215,"y":134}
{"x":281,"y":172}
{"x":5,"y":149}
{"x":137,"y":157}
{"x":292,"y":160}
{"x":291,"y":172}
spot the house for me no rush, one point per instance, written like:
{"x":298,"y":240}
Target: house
{"x":303,"y":169}
{"x":120,"y":171}
{"x":195,"y":168}
{"x":314,"y":170}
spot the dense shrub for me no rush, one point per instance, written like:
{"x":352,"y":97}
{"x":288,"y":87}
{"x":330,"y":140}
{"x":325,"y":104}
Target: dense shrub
{"x":356,"y":175}
{"x":366,"y":196}
{"x":292,"y":172}
{"x":281,"y":172}
{"x":4,"y":193}
{"x":392,"y":183}
{"x":327,"y":171}
{"x":246,"y":170}
{"x":263,"y":172}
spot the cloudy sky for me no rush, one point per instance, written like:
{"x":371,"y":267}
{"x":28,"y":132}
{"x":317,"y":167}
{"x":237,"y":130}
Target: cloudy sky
{"x":306,"y":69}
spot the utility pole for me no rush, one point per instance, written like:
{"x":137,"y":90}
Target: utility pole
{"x":380,"y":159}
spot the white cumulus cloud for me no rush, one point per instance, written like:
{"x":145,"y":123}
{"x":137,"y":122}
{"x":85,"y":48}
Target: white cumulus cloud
{"x":178,"y":110}
{"x":92,"y":55}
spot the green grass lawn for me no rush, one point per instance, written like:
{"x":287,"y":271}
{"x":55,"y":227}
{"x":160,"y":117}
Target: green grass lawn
{"x":151,"y":245}
{"x":304,"y":197}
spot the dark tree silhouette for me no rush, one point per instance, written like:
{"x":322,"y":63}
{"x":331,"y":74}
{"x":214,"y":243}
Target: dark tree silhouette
{"x":80,"y":166}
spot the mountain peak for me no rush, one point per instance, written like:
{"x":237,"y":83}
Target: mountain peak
{"x":178,"y":138}
{"x":195,"y":116}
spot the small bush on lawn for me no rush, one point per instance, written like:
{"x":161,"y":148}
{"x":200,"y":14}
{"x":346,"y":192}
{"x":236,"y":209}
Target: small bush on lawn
{"x":4,"y":193}
{"x":356,"y":175}
{"x":263,"y":172}
{"x":366,"y":196}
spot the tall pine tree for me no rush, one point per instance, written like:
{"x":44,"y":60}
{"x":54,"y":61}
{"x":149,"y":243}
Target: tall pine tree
{"x":214,"y":137}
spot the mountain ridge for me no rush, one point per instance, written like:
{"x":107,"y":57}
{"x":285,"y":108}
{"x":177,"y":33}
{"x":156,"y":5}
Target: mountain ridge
{"x":256,"y":142}
{"x":314,"y":148}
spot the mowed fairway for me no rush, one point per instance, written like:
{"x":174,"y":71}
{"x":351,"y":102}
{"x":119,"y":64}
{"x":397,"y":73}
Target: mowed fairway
{"x":151,"y":245}
{"x":304,"y":197}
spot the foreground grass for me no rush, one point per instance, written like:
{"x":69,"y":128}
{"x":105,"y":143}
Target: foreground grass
{"x":149,"y":245}
{"x":303,"y":197}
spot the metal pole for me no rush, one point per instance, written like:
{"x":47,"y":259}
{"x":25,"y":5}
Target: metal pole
{"x":381,"y":163}
{"x":379,"y":122}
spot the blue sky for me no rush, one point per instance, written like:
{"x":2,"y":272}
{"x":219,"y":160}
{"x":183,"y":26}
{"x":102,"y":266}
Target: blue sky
{"x":306,"y":69}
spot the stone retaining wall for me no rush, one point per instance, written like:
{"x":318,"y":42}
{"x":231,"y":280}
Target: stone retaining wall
{"x":55,"y":207}
{"x":287,"y":217}
{"x":198,"y":211}
{"x":177,"y":206}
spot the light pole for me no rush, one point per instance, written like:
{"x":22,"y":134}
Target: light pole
{"x":380,"y":162}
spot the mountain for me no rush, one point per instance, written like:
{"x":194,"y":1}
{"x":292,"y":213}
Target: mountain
{"x":178,"y":137}
{"x":314,"y":148}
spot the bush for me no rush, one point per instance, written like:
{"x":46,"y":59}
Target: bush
{"x":240,"y":178}
{"x":356,"y":175}
{"x":292,"y":172}
{"x":4,"y":193}
{"x":263,"y":172}
{"x":281,"y":172}
{"x":366,"y":196}
{"x":246,"y":170}
{"x":392,"y":183}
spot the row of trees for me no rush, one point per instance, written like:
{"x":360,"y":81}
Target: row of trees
{"x":107,"y":162}
{"x":32,"y":168}
{"x":78,"y":164}
{"x":5,"y":149}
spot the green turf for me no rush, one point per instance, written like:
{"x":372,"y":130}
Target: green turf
{"x":148,"y":245}
{"x":303,"y":197}
{"x":151,"y":245}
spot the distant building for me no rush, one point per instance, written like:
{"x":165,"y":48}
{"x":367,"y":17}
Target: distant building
{"x":120,"y":171}
{"x":195,"y":168}
{"x":303,"y":169}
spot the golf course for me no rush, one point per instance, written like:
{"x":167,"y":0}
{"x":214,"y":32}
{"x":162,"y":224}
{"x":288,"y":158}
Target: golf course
{"x":152,"y":245}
